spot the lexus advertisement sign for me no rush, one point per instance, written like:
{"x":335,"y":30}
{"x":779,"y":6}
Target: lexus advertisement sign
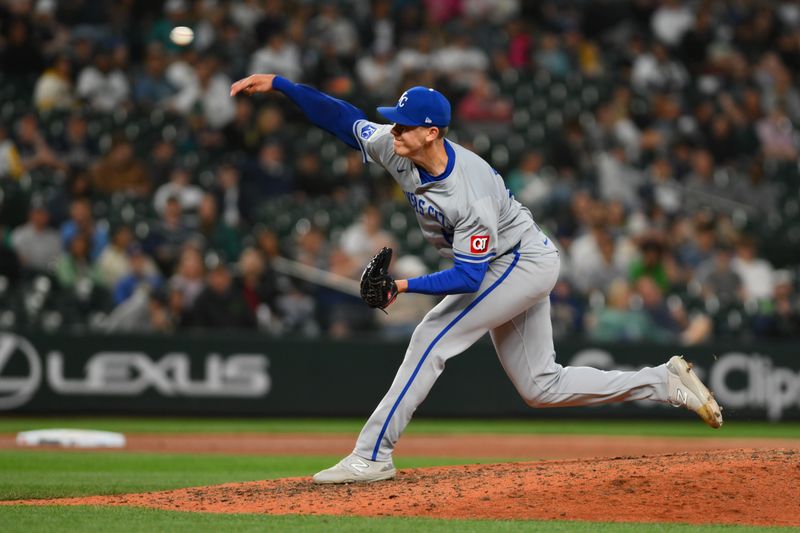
{"x":258,"y":375}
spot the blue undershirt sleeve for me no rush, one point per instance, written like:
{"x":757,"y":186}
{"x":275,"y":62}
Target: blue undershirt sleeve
{"x":462,"y":278}
{"x":332,"y":115}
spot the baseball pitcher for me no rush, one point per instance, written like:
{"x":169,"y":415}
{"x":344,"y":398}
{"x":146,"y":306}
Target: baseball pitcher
{"x":504,"y":268}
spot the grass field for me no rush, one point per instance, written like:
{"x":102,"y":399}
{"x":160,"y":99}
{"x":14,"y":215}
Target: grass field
{"x":51,"y":473}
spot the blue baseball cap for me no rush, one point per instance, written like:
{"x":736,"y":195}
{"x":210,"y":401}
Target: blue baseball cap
{"x":419,"y":106}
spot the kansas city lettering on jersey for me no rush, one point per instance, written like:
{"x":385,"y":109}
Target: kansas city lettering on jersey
{"x":423,"y":209}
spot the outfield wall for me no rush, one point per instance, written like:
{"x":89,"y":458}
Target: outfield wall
{"x":235,"y":374}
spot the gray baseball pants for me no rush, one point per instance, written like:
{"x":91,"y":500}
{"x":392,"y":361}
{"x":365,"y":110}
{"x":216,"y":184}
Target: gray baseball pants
{"x":513,"y":306}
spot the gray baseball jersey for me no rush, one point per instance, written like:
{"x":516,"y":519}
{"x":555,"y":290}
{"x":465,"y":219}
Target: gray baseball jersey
{"x":470,"y":215}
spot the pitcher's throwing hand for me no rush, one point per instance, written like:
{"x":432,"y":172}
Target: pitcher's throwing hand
{"x":257,"y":83}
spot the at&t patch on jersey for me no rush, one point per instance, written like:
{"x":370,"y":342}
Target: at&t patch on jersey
{"x":367,"y":131}
{"x":479,"y":244}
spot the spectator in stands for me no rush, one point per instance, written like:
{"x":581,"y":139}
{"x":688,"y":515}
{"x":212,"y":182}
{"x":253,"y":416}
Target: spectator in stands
{"x":218,"y":235}
{"x":242,"y":134}
{"x":161,"y":161}
{"x":75,"y":147}
{"x":378,"y":72}
{"x":520,"y":44}
{"x":672,"y":319}
{"x":655,"y":70}
{"x":308,"y":173}
{"x":617,"y":178}
{"x":169,"y":235}
{"x":179,"y":186}
{"x":81,"y":222}
{"x":78,"y":184}
{"x":662,"y":189}
{"x":20,"y":55}
{"x":278,"y":55}
{"x":75,"y":264}
{"x":482,"y":105}
{"x":121,"y":171}
{"x":362,"y":239}
{"x":700,"y":245}
{"x":114,"y":262}
{"x":37,"y":245}
{"x":400,"y":323}
{"x":653,"y":262}
{"x":701,"y":189}
{"x":551,"y":57}
{"x":756,"y":273}
{"x":618,"y":322}
{"x":104,"y":86}
{"x":599,"y":275}
{"x":269,"y":125}
{"x":777,"y":136}
{"x":269,"y":176}
{"x":671,"y":21}
{"x":460,"y":61}
{"x":417,"y":56}
{"x":258,"y":289}
{"x":754,"y":189}
{"x":142,"y":271}
{"x":221,"y":304}
{"x":151,"y":86}
{"x":718,"y":280}
{"x":53,"y":90}
{"x":567,"y":309}
{"x":233,"y":203}
{"x":10,"y":161}
{"x":342,"y":314}
{"x":146,"y":311}
{"x":34,"y":151}
{"x":528,"y":184}
{"x":585,"y":253}
{"x":782,"y":318}
{"x":332,"y":28}
{"x":206,"y":89}
{"x":189,"y":277}
{"x":10,"y":267}
{"x":297,"y":311}
{"x":312,"y":247}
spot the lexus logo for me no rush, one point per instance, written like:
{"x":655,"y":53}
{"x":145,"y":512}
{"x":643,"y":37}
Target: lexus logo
{"x":17,"y":388}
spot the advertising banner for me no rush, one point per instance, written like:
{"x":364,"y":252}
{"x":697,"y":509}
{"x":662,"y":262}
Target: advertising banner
{"x":241,"y":375}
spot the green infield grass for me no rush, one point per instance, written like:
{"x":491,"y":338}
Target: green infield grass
{"x":54,"y":474}
{"x":48,"y":519}
{"x":691,"y":427}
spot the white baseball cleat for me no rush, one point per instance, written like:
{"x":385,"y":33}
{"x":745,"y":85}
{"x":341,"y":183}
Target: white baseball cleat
{"x":686,"y":390}
{"x":354,"y":469}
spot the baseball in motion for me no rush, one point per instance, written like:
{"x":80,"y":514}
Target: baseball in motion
{"x":181,"y":35}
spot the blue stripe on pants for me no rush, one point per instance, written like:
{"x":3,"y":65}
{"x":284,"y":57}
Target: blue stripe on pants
{"x":461,"y":315}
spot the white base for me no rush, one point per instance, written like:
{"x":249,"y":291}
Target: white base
{"x":71,"y":438}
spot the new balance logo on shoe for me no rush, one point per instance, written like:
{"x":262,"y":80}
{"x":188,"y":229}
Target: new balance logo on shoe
{"x":359,"y":465}
{"x":681,"y":397}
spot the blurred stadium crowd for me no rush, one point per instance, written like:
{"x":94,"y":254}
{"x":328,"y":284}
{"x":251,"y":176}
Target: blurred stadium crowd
{"x":656,"y":141}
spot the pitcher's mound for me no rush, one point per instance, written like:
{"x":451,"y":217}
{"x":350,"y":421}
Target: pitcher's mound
{"x":760,"y":487}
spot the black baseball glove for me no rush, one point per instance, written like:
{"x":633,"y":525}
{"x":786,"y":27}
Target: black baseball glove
{"x":378,"y":289}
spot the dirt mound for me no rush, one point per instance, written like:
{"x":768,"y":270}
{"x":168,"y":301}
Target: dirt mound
{"x":759,"y":487}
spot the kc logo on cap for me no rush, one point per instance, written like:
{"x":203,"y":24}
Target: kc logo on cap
{"x":419,"y":106}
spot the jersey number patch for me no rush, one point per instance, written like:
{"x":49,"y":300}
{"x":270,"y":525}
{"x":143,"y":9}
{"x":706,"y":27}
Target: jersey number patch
{"x":478,"y":244}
